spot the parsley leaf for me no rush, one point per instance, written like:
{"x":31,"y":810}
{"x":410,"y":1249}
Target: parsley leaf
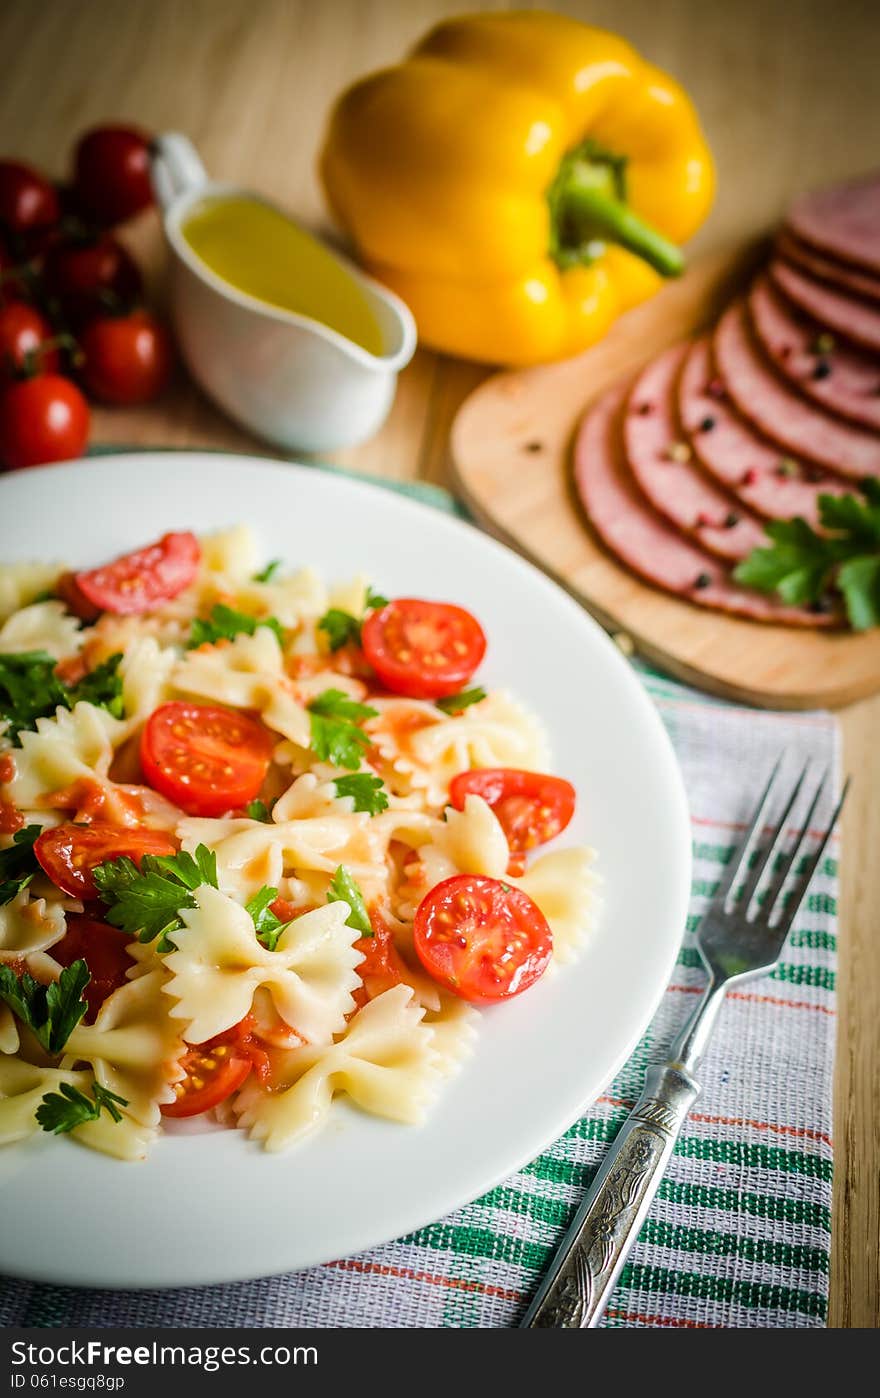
{"x":146,"y":901}
{"x":343,"y":889}
{"x":224,"y":624}
{"x":68,"y":1108}
{"x":374,"y":601}
{"x":267,"y":574}
{"x":267,"y":926}
{"x":454,"y":703}
{"x":368,"y":792}
{"x":18,"y":863}
{"x":30,"y":689}
{"x":804,"y":567}
{"x":335,"y":735}
{"x":341,"y":627}
{"x":51,"y":1011}
{"x":258,"y":810}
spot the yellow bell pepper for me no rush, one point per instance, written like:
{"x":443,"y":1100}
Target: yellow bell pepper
{"x":520,"y":180}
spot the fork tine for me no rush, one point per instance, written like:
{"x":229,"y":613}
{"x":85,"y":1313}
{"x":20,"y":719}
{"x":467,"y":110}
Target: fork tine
{"x":740,"y":854}
{"x":777,"y":882}
{"x":766,"y":854}
{"x":790,"y":912}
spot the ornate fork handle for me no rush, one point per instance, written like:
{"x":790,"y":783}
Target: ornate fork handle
{"x":575,"y":1291}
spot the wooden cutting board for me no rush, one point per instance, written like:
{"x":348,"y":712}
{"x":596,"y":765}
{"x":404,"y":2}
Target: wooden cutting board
{"x":511,"y":447}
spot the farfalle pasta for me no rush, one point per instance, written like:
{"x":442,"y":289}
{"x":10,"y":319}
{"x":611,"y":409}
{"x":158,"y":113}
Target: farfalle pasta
{"x":264,"y":843}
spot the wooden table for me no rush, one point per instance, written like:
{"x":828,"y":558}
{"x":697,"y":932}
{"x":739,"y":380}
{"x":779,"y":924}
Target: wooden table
{"x":789,"y":97}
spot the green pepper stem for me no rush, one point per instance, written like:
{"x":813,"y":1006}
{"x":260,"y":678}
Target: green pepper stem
{"x":591,"y":213}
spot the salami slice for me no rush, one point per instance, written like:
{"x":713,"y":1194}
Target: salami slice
{"x":843,"y":220}
{"x":824,"y":368}
{"x":669,"y":474}
{"x":840,"y":274}
{"x":858,"y":320}
{"x":776,"y":410}
{"x":646,"y":543}
{"x":732,"y":450}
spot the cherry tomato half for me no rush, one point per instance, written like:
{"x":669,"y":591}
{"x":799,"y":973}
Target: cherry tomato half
{"x":217,"y":1068}
{"x":139,"y":581}
{"x":42,"y":419}
{"x":68,"y":853}
{"x":112,"y":173}
{"x":103,"y":949}
{"x":531,"y":807}
{"x":423,"y":649}
{"x":126,"y":359}
{"x":22,"y":331}
{"x":481,"y":938}
{"x":86,"y":275}
{"x":205,"y":759}
{"x":27,"y":199}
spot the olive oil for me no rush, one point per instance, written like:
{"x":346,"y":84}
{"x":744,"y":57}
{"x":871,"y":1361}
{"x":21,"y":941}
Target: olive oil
{"x":260,"y":251}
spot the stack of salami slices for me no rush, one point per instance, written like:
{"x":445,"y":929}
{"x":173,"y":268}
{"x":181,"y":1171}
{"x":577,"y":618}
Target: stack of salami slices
{"x":780,"y":403}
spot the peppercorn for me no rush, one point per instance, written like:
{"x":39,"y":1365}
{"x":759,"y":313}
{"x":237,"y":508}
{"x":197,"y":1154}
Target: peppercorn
{"x":731,"y":520}
{"x":822,"y":369}
{"x":707,"y":424}
{"x":702,"y":580}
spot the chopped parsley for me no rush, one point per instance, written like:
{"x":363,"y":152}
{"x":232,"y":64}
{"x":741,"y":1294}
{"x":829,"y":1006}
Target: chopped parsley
{"x":258,"y":810}
{"x":335,"y":736}
{"x":68,"y":1108}
{"x":267,"y":926}
{"x":18,"y":863}
{"x":342,"y":628}
{"x":267,"y":574}
{"x":146,"y":901}
{"x":30,"y":689}
{"x":51,"y":1011}
{"x":343,"y":889}
{"x":368,"y":792}
{"x":224,"y":624}
{"x":454,"y":703}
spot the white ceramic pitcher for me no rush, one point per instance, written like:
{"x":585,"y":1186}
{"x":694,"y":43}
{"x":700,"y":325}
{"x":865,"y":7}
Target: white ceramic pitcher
{"x":286,"y":377}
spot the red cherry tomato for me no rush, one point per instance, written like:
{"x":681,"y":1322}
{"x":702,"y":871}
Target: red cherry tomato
{"x":22,"y":331}
{"x":126,"y":359}
{"x":217,"y":1068}
{"x":480,"y":938}
{"x":112,"y":173}
{"x":531,"y":807}
{"x":139,"y":581}
{"x":42,"y":419}
{"x":103,"y":949}
{"x":205,"y":759}
{"x":85,"y":276}
{"x":423,"y":649}
{"x":68,"y":853}
{"x":27,"y":199}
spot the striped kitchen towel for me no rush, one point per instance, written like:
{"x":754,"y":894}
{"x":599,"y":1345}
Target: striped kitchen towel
{"x":740,"y":1232}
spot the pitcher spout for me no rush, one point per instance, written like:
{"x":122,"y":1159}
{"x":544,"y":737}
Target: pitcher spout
{"x":175,"y":167}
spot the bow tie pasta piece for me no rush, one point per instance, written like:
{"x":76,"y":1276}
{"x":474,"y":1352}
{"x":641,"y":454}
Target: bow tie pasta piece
{"x":248,"y":673}
{"x":8,"y":1030}
{"x":29,"y":924}
{"x":308,"y":796}
{"x":253,"y":853}
{"x":454,"y":1027}
{"x":466,"y":842}
{"x":134,"y":1047}
{"x":231,"y":552}
{"x":564,"y":887}
{"x":44,"y":626}
{"x":385,"y":1062}
{"x":76,"y":746}
{"x":22,"y":1087}
{"x":220,"y":963}
{"x":145,"y":670}
{"x":22,"y":583}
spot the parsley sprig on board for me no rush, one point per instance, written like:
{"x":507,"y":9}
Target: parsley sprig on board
{"x":224,"y":624}
{"x":805,"y":567}
{"x":68,"y":1108}
{"x":51,"y":1011}
{"x":344,"y":889}
{"x":18,"y":863}
{"x":30,"y":689}
{"x":335,"y":736}
{"x":341,"y":627}
{"x":147,"y":901}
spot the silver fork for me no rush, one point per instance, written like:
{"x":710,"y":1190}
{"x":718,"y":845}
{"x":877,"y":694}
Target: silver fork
{"x":734,"y":947}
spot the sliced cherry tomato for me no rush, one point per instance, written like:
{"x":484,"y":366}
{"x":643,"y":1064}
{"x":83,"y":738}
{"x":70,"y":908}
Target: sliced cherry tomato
{"x":126,"y":359}
{"x":68,"y":853}
{"x":103,"y":949}
{"x":423,"y":649}
{"x":22,"y":333}
{"x":27,"y":199}
{"x":42,"y":419}
{"x":112,"y":173}
{"x":74,"y":600}
{"x":531,"y":807}
{"x":139,"y":581}
{"x":206,"y":759}
{"x":217,"y":1068}
{"x":86,"y":275}
{"x":480,"y":938}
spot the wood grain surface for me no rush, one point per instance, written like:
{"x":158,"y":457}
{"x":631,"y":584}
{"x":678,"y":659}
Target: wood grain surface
{"x":788,"y":93}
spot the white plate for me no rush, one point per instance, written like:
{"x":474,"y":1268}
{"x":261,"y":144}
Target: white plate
{"x":215,"y":1207}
